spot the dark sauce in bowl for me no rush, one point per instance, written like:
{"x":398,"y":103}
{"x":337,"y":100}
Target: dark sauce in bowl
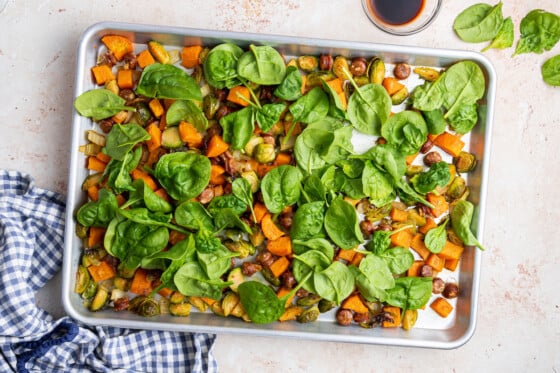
{"x":397,"y":12}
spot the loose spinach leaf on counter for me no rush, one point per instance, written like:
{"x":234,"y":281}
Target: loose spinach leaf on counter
{"x":184,"y":175}
{"x":368,"y":108}
{"x":122,"y":138}
{"x":540,"y":31}
{"x":551,"y":71}
{"x":479,"y":22}
{"x":504,"y":38}
{"x":168,"y":81}
{"x":100,"y":104}
{"x":461,"y":219}
{"x":262,"y":65}
{"x":341,"y":223}
{"x":281,"y":187}
{"x":186,"y":111}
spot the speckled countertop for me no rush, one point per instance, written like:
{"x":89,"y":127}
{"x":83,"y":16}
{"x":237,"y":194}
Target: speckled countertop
{"x":518,"y":328}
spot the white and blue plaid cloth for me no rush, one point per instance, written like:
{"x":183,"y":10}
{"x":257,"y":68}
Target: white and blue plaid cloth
{"x":31,"y":340}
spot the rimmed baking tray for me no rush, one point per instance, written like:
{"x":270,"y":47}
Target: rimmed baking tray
{"x":431,"y":331}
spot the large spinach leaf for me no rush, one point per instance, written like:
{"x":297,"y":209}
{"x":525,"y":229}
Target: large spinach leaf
{"x":281,"y":187}
{"x":186,"y":111}
{"x":122,"y":138}
{"x":368,"y":108}
{"x":262,"y":65}
{"x":220,"y":66}
{"x":100,"y":104}
{"x":184,"y":175}
{"x":504,"y":38}
{"x":308,"y":221}
{"x":307,"y":263}
{"x":312,"y":107}
{"x":373,"y":278}
{"x":334,"y":283}
{"x":192,"y":280}
{"x":406,"y":130}
{"x":437,"y":175}
{"x":290,"y":88}
{"x":168,"y":81}
{"x":238,"y":127}
{"x":461,"y":220}
{"x":143,"y":195}
{"x":341,"y":223}
{"x":100,"y":212}
{"x":462,"y":84}
{"x":377,"y":185}
{"x":479,"y":22}
{"x":464,"y":119}
{"x":410,"y":293}
{"x":550,"y":71}
{"x":192,"y":215}
{"x":540,"y":31}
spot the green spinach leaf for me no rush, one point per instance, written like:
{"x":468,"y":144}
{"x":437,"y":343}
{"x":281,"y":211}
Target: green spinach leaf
{"x":238,"y":127}
{"x":436,"y":238}
{"x":122,"y":138}
{"x":260,"y":302}
{"x":341,"y":223}
{"x":373,"y":278}
{"x":311,"y":107}
{"x":479,"y":22}
{"x":464,"y":119}
{"x":241,"y":188}
{"x":540,"y":31}
{"x":369,"y":108}
{"x":186,"y":111}
{"x":461,"y":219}
{"x":192,"y":215}
{"x":100,"y":104}
{"x":308,"y":221}
{"x":462,"y":84}
{"x":504,"y":38}
{"x":307,"y":263}
{"x":220,"y":66}
{"x":281,"y":187}
{"x":410,"y":293}
{"x":377,"y":185}
{"x":550,"y":71}
{"x":192,"y":280}
{"x":184,"y":175}
{"x":141,"y":193}
{"x":290,"y":88}
{"x":262,"y":65}
{"x":268,"y":115}
{"x":168,"y":81}
{"x":406,"y":130}
{"x":437,"y":175}
{"x":98,"y":213}
{"x":334,"y":283}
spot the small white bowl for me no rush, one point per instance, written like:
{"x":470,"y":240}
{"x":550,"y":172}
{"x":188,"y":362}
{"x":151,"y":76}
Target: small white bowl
{"x":418,"y":23}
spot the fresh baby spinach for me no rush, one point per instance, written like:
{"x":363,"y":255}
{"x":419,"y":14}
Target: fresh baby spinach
{"x":398,"y":259}
{"x":341,"y":223}
{"x":238,"y":127}
{"x":187,"y":111}
{"x":334,"y":283}
{"x":436,"y":238}
{"x":268,"y":115}
{"x":406,"y":131}
{"x":540,"y":31}
{"x":118,"y":172}
{"x":262,"y":65}
{"x":434,"y":121}
{"x":377,"y":185}
{"x":410,"y":293}
{"x":550,"y":71}
{"x":281,"y":187}
{"x":143,"y":195}
{"x":100,"y":104}
{"x":184,"y":175}
{"x":308,"y":221}
{"x":241,"y":188}
{"x":290,"y":88}
{"x":228,"y":201}
{"x":368,"y":108}
{"x":260,"y":302}
{"x":192,"y":280}
{"x":307,"y":263}
{"x":168,"y":81}
{"x":462,"y":84}
{"x":479,"y":22}
{"x":318,"y":243}
{"x":373,"y":278}
{"x":504,"y":37}
{"x":122,"y":138}
{"x":98,"y":213}
{"x":312,"y":107}
{"x":464,"y":119}
{"x":461,"y":219}
{"x":193,"y":215}
{"x":437,"y":175}
{"x":220,"y":66}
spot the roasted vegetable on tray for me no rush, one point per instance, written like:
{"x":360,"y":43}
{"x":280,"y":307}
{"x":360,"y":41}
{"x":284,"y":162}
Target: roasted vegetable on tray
{"x":226,"y":179}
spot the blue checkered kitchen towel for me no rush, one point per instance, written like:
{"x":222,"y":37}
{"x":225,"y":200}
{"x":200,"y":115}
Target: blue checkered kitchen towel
{"x":31,"y":245}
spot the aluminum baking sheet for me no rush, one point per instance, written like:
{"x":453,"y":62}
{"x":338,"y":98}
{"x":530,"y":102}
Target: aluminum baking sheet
{"x":431,"y":331}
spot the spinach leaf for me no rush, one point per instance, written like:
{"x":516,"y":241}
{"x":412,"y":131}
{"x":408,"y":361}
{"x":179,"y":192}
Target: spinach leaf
{"x":98,"y":213}
{"x":131,"y":241}
{"x":313,"y":189}
{"x":142,"y":193}
{"x":216,"y":262}
{"x":428,"y":96}
{"x":262,"y":65}
{"x":341,"y":146}
{"x":407,"y":193}
{"x":341,"y":223}
{"x":336,"y":108}
{"x":333,"y":179}
{"x":479,"y":22}
{"x":380,"y":241}
{"x":260,"y":302}
{"x":281,"y":187}
{"x":437,"y":175}
{"x":436,"y":238}
{"x":377,"y":185}
{"x":290,"y":88}
{"x":464,"y":119}
{"x":504,"y":38}
{"x":410,"y":293}
{"x":118,"y":172}
{"x":309,"y":146}
{"x":368,"y":108}
{"x":308,"y":263}
{"x":241,"y":188}
{"x":388,"y":158}
{"x":184,"y":175}
{"x":308,"y":221}
{"x":406,"y":130}
{"x":540,"y":31}
{"x":100,"y":104}
{"x":227,"y":218}
{"x":122,"y":138}
{"x":461,"y":219}
{"x":398,"y":259}
{"x":373,"y":278}
{"x":318,"y":243}
{"x":168,"y":81}
{"x":462,"y":84}
{"x":353,"y":167}
{"x":268,"y":115}
{"x":238,"y":127}
{"x":312,"y":107}
{"x":227,"y":201}
{"x":550,"y":71}
{"x":192,"y":280}
{"x":434,"y":121}
{"x":192,"y":215}
{"x":186,"y":111}
{"x":142,"y":215}
{"x":220,"y":66}
{"x":334,"y":283}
